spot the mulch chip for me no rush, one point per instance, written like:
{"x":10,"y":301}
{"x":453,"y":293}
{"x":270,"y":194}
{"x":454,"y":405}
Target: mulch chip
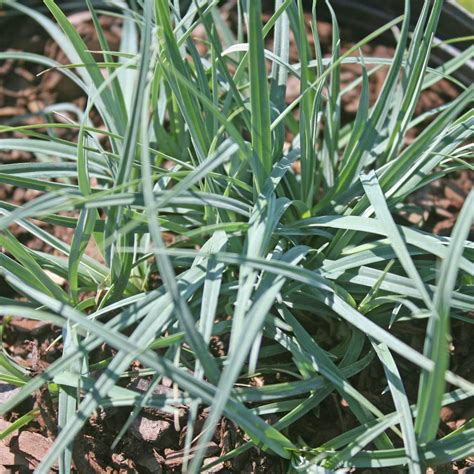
{"x":153,"y":444}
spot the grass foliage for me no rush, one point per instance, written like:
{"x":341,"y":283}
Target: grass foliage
{"x":262,"y":256}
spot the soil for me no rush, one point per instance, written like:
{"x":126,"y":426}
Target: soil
{"x":155,"y":442}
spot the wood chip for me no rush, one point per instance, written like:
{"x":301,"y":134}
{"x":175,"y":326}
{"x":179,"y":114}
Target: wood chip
{"x":174,"y":459}
{"x":8,"y":455}
{"x":3,"y":426}
{"x":25,"y":74}
{"x":30,"y":326}
{"x":149,"y":430}
{"x":216,"y":468}
{"x":9,"y":458}
{"x":447,"y":414}
{"x":80,"y":17}
{"x":33,"y":445}
{"x":7,"y":391}
{"x":11,"y":111}
{"x":35,"y":106}
{"x":455,"y":195}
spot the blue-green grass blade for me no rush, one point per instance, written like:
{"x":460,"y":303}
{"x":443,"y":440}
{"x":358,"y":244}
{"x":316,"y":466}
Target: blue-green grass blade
{"x":432,"y":385}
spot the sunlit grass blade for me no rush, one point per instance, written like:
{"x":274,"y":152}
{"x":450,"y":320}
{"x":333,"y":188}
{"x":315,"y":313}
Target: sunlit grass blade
{"x":379,"y":112}
{"x":412,"y":82}
{"x":279,"y":75}
{"x":259,"y":93}
{"x":215,"y":165}
{"x":377,"y":199}
{"x":402,"y":405}
{"x":432,"y":385}
{"x":68,"y":399}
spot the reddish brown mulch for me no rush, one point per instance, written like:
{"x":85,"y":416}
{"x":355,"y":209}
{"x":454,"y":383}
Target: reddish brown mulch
{"x":155,"y":442}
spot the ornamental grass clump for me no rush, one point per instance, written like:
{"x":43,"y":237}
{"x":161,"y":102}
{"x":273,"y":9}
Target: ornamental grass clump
{"x":281,"y":224}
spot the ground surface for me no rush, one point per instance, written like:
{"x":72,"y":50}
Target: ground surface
{"x":155,"y":441}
